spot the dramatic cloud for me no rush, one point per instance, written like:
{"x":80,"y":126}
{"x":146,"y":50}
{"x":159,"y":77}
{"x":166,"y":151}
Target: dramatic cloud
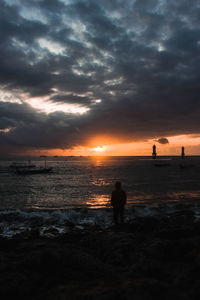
{"x":124,"y":69}
{"x":162,"y":141}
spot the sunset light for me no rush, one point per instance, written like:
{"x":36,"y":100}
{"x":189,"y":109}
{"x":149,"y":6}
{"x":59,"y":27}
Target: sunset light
{"x":100,"y":149}
{"x":50,"y":107}
{"x":65,"y":90}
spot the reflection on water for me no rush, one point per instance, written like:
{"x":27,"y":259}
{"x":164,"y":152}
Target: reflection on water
{"x":163,"y":197}
{"x":99,"y":201}
{"x":186,"y":196}
{"x":98,"y":161}
{"x":99,"y":181}
{"x":88,"y":182}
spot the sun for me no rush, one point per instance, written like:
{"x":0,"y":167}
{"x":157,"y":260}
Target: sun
{"x":99,"y":149}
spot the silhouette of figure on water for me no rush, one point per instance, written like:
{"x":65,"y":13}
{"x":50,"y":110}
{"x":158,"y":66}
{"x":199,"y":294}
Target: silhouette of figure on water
{"x":118,"y":201}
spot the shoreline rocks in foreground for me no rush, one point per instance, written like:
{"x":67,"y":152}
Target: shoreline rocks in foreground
{"x":148,"y":257}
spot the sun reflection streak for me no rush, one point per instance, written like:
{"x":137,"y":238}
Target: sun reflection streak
{"x":99,"y":201}
{"x":98,"y":161}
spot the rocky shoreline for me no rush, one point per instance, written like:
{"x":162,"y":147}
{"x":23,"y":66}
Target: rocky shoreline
{"x":148,"y":257}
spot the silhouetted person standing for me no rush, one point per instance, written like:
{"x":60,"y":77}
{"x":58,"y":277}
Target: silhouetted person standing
{"x":118,"y":201}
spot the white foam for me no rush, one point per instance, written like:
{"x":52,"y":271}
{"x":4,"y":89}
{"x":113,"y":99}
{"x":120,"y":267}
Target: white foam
{"x":13,"y":222}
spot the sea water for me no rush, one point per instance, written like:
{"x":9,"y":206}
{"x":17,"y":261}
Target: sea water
{"x":78,"y":190}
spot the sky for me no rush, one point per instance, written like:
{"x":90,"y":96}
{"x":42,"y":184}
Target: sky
{"x":87,"y":77}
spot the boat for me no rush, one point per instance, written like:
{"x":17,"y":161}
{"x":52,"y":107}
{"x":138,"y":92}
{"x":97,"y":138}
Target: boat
{"x":36,"y":170}
{"x":18,"y":165}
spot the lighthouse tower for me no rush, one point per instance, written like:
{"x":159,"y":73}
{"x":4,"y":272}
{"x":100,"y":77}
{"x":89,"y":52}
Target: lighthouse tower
{"x":154,"y":152}
{"x":182,"y":152}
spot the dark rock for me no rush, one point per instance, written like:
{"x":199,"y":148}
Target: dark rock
{"x":176,"y":233}
{"x":49,"y":260}
{"x":147,"y":259}
{"x":147,"y":224}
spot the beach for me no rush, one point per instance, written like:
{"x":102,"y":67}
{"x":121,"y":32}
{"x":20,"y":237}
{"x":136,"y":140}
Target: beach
{"x":148,"y":257}
{"x":58,"y":241}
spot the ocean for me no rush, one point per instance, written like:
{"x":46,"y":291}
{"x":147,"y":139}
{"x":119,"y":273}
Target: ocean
{"x":77,"y":191}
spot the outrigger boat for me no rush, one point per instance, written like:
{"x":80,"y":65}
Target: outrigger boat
{"x":18,"y":165}
{"x":35,"y":170}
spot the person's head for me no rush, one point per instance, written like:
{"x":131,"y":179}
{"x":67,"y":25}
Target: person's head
{"x":118,"y":185}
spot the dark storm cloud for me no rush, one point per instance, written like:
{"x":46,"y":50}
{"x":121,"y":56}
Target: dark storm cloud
{"x":13,"y":26}
{"x":140,"y":58}
{"x":163,"y":141}
{"x":70,"y":99}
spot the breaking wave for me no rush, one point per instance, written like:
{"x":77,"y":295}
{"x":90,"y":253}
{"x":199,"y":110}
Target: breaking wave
{"x":54,"y":222}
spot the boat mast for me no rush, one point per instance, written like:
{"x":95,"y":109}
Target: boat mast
{"x":154,"y":152}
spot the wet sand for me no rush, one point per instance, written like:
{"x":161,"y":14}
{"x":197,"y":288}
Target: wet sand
{"x":148,"y":257}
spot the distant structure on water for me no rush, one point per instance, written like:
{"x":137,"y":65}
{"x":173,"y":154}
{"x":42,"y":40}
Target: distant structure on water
{"x":154,"y":154}
{"x":186,"y":163}
{"x":182,"y":152}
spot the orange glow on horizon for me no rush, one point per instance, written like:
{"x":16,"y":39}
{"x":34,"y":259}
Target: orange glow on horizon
{"x":138,"y":148}
{"x":102,"y":140}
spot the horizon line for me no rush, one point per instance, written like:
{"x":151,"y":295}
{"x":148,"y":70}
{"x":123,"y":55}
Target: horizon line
{"x":55,"y":156}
